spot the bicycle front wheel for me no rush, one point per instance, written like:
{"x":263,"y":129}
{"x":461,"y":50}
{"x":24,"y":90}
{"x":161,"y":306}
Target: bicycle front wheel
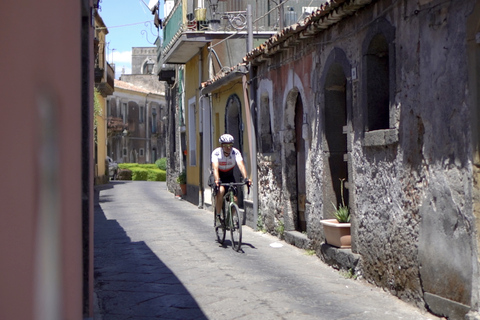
{"x":235,"y":227}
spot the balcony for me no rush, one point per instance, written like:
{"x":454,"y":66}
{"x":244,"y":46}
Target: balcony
{"x":115,"y":126}
{"x":185,"y":33}
{"x":105,"y":81}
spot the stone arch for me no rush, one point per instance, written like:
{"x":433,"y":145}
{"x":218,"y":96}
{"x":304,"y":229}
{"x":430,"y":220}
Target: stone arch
{"x":335,"y":128}
{"x":234,"y":126}
{"x":148,"y":66}
{"x":233,"y":120}
{"x":294,"y":162}
{"x":378,"y":50}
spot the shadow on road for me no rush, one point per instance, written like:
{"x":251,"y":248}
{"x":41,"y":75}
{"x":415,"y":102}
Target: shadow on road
{"x":131,"y":282}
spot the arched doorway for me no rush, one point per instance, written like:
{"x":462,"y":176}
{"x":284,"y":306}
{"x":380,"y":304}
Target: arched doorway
{"x":336,"y":138}
{"x":301,"y":224}
{"x":234,"y":126}
{"x":293,"y":163}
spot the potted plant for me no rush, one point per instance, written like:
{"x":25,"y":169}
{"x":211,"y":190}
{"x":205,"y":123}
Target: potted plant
{"x":182,"y":181}
{"x":337,"y":231}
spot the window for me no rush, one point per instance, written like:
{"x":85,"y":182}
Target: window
{"x":124,"y":112}
{"x":148,"y":67}
{"x":378,"y":84}
{"x":141,"y":152}
{"x":381,"y":125}
{"x":154,"y":120}
{"x":192,"y":133}
{"x":141,"y":115}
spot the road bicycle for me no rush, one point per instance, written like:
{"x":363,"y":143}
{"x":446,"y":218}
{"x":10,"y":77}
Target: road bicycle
{"x":230,"y":216}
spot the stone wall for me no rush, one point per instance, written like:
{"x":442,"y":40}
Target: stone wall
{"x":409,"y":182}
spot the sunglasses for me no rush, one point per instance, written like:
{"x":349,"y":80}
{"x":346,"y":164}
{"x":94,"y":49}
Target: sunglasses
{"x":228,"y":145}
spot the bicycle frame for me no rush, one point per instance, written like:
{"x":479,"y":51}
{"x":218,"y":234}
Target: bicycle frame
{"x":231,"y":216}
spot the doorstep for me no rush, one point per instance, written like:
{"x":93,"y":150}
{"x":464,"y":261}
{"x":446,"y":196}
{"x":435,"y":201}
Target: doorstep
{"x":341,"y":259}
{"x":298,"y":239}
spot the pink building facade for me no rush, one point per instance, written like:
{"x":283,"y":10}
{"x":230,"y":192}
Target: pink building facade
{"x":46,"y":198}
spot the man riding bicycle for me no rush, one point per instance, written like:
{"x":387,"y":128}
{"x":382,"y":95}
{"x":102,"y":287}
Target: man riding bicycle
{"x":224,"y":160}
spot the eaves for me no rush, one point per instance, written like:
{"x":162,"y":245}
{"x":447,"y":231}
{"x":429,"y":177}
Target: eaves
{"x":328,"y":15}
{"x":218,"y":82}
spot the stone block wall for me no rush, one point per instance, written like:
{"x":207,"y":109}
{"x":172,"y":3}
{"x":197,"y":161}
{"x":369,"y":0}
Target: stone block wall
{"x":410,"y":184}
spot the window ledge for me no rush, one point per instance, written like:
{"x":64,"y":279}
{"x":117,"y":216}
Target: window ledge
{"x":380,"y":138}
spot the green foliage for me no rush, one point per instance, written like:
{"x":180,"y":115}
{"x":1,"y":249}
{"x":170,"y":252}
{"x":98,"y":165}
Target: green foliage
{"x":260,"y":223}
{"x":342,"y":213}
{"x":162,"y":164}
{"x":97,"y":111}
{"x":280,"y":229}
{"x":156,"y":175}
{"x":182,"y":177}
{"x":139,"y":174}
{"x":143,"y":172}
{"x":349,"y":274}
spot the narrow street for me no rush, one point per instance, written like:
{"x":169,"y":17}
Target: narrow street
{"x":156,"y":258}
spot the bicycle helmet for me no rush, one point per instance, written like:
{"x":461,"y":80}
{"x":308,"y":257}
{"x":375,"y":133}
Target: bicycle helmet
{"x":226,"y":138}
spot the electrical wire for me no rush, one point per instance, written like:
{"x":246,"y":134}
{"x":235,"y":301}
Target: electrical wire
{"x":124,"y":25}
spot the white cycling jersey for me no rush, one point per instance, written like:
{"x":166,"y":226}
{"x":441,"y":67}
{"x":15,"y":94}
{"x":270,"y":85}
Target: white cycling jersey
{"x":226,"y":163}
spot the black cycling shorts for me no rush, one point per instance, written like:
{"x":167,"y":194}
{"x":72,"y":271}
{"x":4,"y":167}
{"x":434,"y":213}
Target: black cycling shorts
{"x":226,"y":176}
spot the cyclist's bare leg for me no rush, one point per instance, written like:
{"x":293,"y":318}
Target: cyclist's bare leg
{"x":219,"y":200}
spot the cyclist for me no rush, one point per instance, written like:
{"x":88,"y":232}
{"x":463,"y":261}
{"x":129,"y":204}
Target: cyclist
{"x":224,"y":160}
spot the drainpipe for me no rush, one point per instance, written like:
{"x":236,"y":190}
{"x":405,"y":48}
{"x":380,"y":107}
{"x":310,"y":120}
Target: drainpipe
{"x":147,"y":133}
{"x":201,"y":200}
{"x":250,"y":110}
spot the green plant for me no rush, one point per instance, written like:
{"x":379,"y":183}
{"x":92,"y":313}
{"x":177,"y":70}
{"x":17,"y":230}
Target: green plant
{"x":349,"y":274}
{"x":139,"y":174}
{"x":310,"y":252}
{"x":342,"y":212}
{"x":161,"y":163}
{"x":156,"y":175}
{"x":182,"y":177}
{"x":280,"y":229}
{"x":97,"y":112}
{"x":260,"y":223}
{"x":143,"y":172}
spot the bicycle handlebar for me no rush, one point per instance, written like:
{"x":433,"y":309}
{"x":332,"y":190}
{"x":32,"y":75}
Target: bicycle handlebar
{"x":228,"y":184}
{"x":231,"y":184}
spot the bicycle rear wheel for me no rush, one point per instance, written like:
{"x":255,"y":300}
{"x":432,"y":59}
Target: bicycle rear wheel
{"x":235,"y":227}
{"x":220,"y":230}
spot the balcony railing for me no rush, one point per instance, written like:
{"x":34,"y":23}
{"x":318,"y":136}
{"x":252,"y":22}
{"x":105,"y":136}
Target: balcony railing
{"x":184,"y":32}
{"x":173,"y":23}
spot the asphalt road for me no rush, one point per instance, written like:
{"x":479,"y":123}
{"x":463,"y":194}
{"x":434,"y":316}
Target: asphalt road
{"x":156,"y":258}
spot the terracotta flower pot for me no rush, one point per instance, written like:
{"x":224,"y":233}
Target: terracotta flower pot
{"x":337,"y":234}
{"x":184,"y":189}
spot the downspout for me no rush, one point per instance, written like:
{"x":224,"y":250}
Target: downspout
{"x":201,"y":199}
{"x":146,"y":118}
{"x":250,"y":110}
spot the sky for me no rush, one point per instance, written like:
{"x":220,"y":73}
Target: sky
{"x":125,"y":20}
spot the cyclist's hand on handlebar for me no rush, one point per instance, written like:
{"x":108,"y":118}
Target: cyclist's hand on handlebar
{"x":248,"y":182}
